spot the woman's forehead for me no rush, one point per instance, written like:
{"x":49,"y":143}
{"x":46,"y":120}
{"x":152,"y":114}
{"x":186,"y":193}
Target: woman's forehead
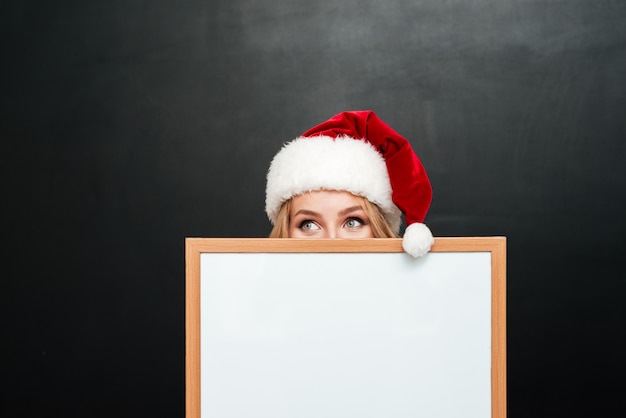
{"x":323,"y":200}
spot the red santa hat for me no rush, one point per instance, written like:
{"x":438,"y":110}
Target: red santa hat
{"x":356,"y":152}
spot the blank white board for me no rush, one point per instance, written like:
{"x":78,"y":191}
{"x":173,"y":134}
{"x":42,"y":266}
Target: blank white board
{"x":363,"y":333}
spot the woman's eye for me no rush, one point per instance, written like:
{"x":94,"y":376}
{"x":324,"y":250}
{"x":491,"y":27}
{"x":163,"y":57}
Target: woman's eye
{"x":309,"y":226}
{"x":354,"y":223}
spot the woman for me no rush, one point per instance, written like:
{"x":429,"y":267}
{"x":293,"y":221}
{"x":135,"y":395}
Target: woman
{"x":330,"y":214}
{"x":351,"y":176}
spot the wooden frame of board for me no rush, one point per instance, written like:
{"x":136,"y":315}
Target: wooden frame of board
{"x":195,"y":247}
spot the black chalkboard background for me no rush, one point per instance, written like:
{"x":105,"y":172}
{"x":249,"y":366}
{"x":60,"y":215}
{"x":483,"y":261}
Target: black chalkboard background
{"x":127,"y":126}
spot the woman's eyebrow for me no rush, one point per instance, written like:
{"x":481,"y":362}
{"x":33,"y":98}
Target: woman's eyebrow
{"x":349,"y":210}
{"x":306,"y":212}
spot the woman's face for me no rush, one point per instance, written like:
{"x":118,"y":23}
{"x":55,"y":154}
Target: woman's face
{"x":328,"y":214}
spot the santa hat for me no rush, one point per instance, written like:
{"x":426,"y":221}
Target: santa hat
{"x":359,"y":153}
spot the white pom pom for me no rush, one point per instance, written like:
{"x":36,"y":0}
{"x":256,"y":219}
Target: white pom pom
{"x":417,"y":239}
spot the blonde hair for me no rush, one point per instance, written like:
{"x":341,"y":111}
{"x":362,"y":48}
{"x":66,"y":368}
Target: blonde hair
{"x":378,"y":223}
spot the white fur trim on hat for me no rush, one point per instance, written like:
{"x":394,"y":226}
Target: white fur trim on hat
{"x":325,"y":163}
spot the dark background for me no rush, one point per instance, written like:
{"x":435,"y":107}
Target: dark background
{"x":127,"y":126}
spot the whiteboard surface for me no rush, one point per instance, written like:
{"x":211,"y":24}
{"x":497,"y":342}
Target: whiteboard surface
{"x":345,"y":335}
